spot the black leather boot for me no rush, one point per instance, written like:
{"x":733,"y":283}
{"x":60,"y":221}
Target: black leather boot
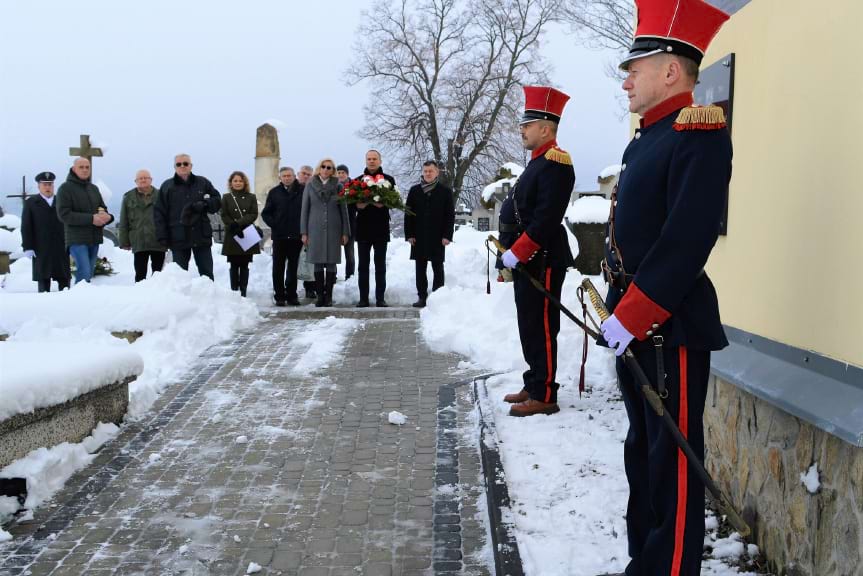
{"x":319,"y":288}
{"x":244,"y":281}
{"x":328,"y":289}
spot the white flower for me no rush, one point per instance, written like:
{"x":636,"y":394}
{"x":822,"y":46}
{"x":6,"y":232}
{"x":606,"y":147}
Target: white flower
{"x":385,"y":183}
{"x":376,"y":198}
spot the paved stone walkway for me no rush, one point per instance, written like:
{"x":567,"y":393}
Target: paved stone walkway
{"x":245,"y":461}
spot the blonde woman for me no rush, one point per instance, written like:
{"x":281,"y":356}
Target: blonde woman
{"x":324,"y":227}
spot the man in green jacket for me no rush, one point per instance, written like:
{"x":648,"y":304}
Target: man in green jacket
{"x":137,"y":228}
{"x":83,"y":212}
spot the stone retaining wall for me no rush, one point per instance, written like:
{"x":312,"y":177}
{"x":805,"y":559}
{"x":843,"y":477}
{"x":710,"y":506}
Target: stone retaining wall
{"x":70,"y":421}
{"x":757,"y":454}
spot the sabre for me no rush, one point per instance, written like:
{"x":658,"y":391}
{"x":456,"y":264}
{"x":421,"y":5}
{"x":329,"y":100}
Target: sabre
{"x":723,"y":503}
{"x":539,"y":286}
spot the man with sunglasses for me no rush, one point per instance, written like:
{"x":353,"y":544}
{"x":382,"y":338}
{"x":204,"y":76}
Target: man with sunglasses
{"x":181,"y":216}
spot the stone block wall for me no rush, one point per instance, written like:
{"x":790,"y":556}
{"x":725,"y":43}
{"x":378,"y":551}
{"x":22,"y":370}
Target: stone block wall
{"x":757,"y":453}
{"x":70,"y":421}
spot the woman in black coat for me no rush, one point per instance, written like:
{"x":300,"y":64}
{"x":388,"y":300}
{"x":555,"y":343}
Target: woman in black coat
{"x":42,"y":237}
{"x":430,"y":228}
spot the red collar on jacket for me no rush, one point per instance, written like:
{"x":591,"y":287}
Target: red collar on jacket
{"x":666,"y":107}
{"x":537,"y":152}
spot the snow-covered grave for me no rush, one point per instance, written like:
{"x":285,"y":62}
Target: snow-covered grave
{"x":586,"y":218}
{"x":10,"y":240}
{"x":58,"y":391}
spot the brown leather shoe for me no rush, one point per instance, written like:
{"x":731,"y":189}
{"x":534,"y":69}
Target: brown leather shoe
{"x":530,"y":407}
{"x":517,"y":397}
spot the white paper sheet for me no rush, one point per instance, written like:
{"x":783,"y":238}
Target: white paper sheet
{"x":249,"y":239}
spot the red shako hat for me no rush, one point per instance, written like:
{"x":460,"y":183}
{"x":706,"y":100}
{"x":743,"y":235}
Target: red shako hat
{"x":543,"y":103}
{"x":682,"y":27}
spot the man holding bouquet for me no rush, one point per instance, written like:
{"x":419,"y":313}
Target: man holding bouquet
{"x":373,"y":231}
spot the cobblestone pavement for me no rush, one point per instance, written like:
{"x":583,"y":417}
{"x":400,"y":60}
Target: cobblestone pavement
{"x":246,"y":461}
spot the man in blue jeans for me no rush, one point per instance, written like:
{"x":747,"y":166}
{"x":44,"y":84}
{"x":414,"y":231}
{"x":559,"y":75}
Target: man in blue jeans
{"x":180,"y":216}
{"x":83,"y":212}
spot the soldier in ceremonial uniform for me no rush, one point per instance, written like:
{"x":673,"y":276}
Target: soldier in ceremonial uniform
{"x":531,"y":228}
{"x":664,"y":221}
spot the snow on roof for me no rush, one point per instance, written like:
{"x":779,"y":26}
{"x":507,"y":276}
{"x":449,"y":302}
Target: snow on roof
{"x":612,"y":170}
{"x":589,"y":210}
{"x":497,"y":185}
{"x":513,"y":168}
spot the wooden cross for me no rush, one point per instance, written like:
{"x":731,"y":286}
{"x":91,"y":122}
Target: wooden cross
{"x":23,"y":195}
{"x":84,"y":150}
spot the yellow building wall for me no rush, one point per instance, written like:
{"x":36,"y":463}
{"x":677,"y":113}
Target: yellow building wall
{"x":791,"y":267}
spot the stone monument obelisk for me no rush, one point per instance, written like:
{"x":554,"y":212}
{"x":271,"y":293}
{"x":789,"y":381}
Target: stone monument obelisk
{"x":266,"y":166}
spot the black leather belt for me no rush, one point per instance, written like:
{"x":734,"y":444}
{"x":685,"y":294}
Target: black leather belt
{"x":508,"y":228}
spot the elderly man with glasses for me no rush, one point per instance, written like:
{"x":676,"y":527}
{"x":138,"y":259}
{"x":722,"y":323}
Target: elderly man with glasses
{"x":181,"y":216}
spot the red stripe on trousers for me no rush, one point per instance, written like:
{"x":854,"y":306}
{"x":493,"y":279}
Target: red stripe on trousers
{"x":548,"y":371}
{"x":682,"y":470}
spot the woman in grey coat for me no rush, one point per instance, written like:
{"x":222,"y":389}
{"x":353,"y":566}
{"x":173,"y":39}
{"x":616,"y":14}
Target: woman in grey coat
{"x":324,"y":227}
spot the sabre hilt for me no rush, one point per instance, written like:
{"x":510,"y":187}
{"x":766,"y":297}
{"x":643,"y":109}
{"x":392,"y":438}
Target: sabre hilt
{"x":595,"y":299}
{"x":497,"y":244}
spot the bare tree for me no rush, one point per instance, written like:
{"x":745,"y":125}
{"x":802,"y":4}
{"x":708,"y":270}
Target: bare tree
{"x":446,"y":79}
{"x":601,"y":23}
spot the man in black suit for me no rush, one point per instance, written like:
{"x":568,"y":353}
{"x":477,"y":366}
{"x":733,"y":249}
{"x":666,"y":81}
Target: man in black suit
{"x":42,"y":237}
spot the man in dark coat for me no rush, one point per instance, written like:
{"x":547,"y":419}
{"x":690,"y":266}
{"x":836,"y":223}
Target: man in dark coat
{"x":282,"y":214}
{"x":181,"y":217}
{"x":350,"y":262}
{"x":83,"y":212}
{"x":429,"y":229}
{"x":137,"y":227}
{"x":42,"y":236}
{"x":373,"y":231}
{"x":531,"y":227}
{"x":665,"y":219}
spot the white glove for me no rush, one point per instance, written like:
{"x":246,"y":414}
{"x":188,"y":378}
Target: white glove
{"x":29,"y":254}
{"x":509,"y":259}
{"x":616,"y":335}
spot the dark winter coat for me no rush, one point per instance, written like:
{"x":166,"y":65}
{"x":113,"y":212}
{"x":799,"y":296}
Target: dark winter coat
{"x":325,"y":220}
{"x":373,"y":223}
{"x":239,"y":210}
{"x":77,"y":201}
{"x":282,"y":211}
{"x":43,"y":233}
{"x":137,"y":228}
{"x":433,"y":220}
{"x":181,"y":212}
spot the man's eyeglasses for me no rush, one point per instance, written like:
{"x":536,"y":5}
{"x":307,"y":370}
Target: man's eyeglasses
{"x":327,"y":168}
{"x":178,"y":164}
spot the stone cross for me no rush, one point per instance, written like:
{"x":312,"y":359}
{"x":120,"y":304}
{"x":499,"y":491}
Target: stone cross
{"x":86,"y":151}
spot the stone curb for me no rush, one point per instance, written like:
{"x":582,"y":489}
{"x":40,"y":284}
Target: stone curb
{"x":507,"y":560}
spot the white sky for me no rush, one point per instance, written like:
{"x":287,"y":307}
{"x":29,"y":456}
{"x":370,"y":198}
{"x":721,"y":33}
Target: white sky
{"x":149,"y":79}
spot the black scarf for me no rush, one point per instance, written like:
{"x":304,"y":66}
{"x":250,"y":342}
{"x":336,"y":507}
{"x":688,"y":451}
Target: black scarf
{"x":428,"y":186}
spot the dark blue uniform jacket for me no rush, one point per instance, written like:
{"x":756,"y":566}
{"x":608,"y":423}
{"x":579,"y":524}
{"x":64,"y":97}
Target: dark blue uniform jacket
{"x":670,"y":199}
{"x":535,"y":207}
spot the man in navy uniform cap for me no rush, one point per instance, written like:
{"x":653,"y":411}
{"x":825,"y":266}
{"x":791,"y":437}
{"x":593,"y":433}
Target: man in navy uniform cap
{"x":42,"y":237}
{"x":531,"y":227}
{"x":664,"y":221}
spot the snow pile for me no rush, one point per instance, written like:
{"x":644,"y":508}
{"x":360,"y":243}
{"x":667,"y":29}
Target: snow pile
{"x":397,"y":418}
{"x":180,"y":313}
{"x":10,"y":241}
{"x":810,"y":479}
{"x":10,"y":221}
{"x":76,"y":367}
{"x":589,"y":210}
{"x":47,"y":469}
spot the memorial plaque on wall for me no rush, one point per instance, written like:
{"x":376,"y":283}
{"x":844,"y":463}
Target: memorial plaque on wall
{"x":716,"y":86}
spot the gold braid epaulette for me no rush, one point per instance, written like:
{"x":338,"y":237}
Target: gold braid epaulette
{"x":559,"y":156}
{"x":700,"y":118}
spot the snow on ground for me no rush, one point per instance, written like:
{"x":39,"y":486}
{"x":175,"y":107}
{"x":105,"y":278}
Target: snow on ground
{"x":565,"y":472}
{"x":47,"y":469}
